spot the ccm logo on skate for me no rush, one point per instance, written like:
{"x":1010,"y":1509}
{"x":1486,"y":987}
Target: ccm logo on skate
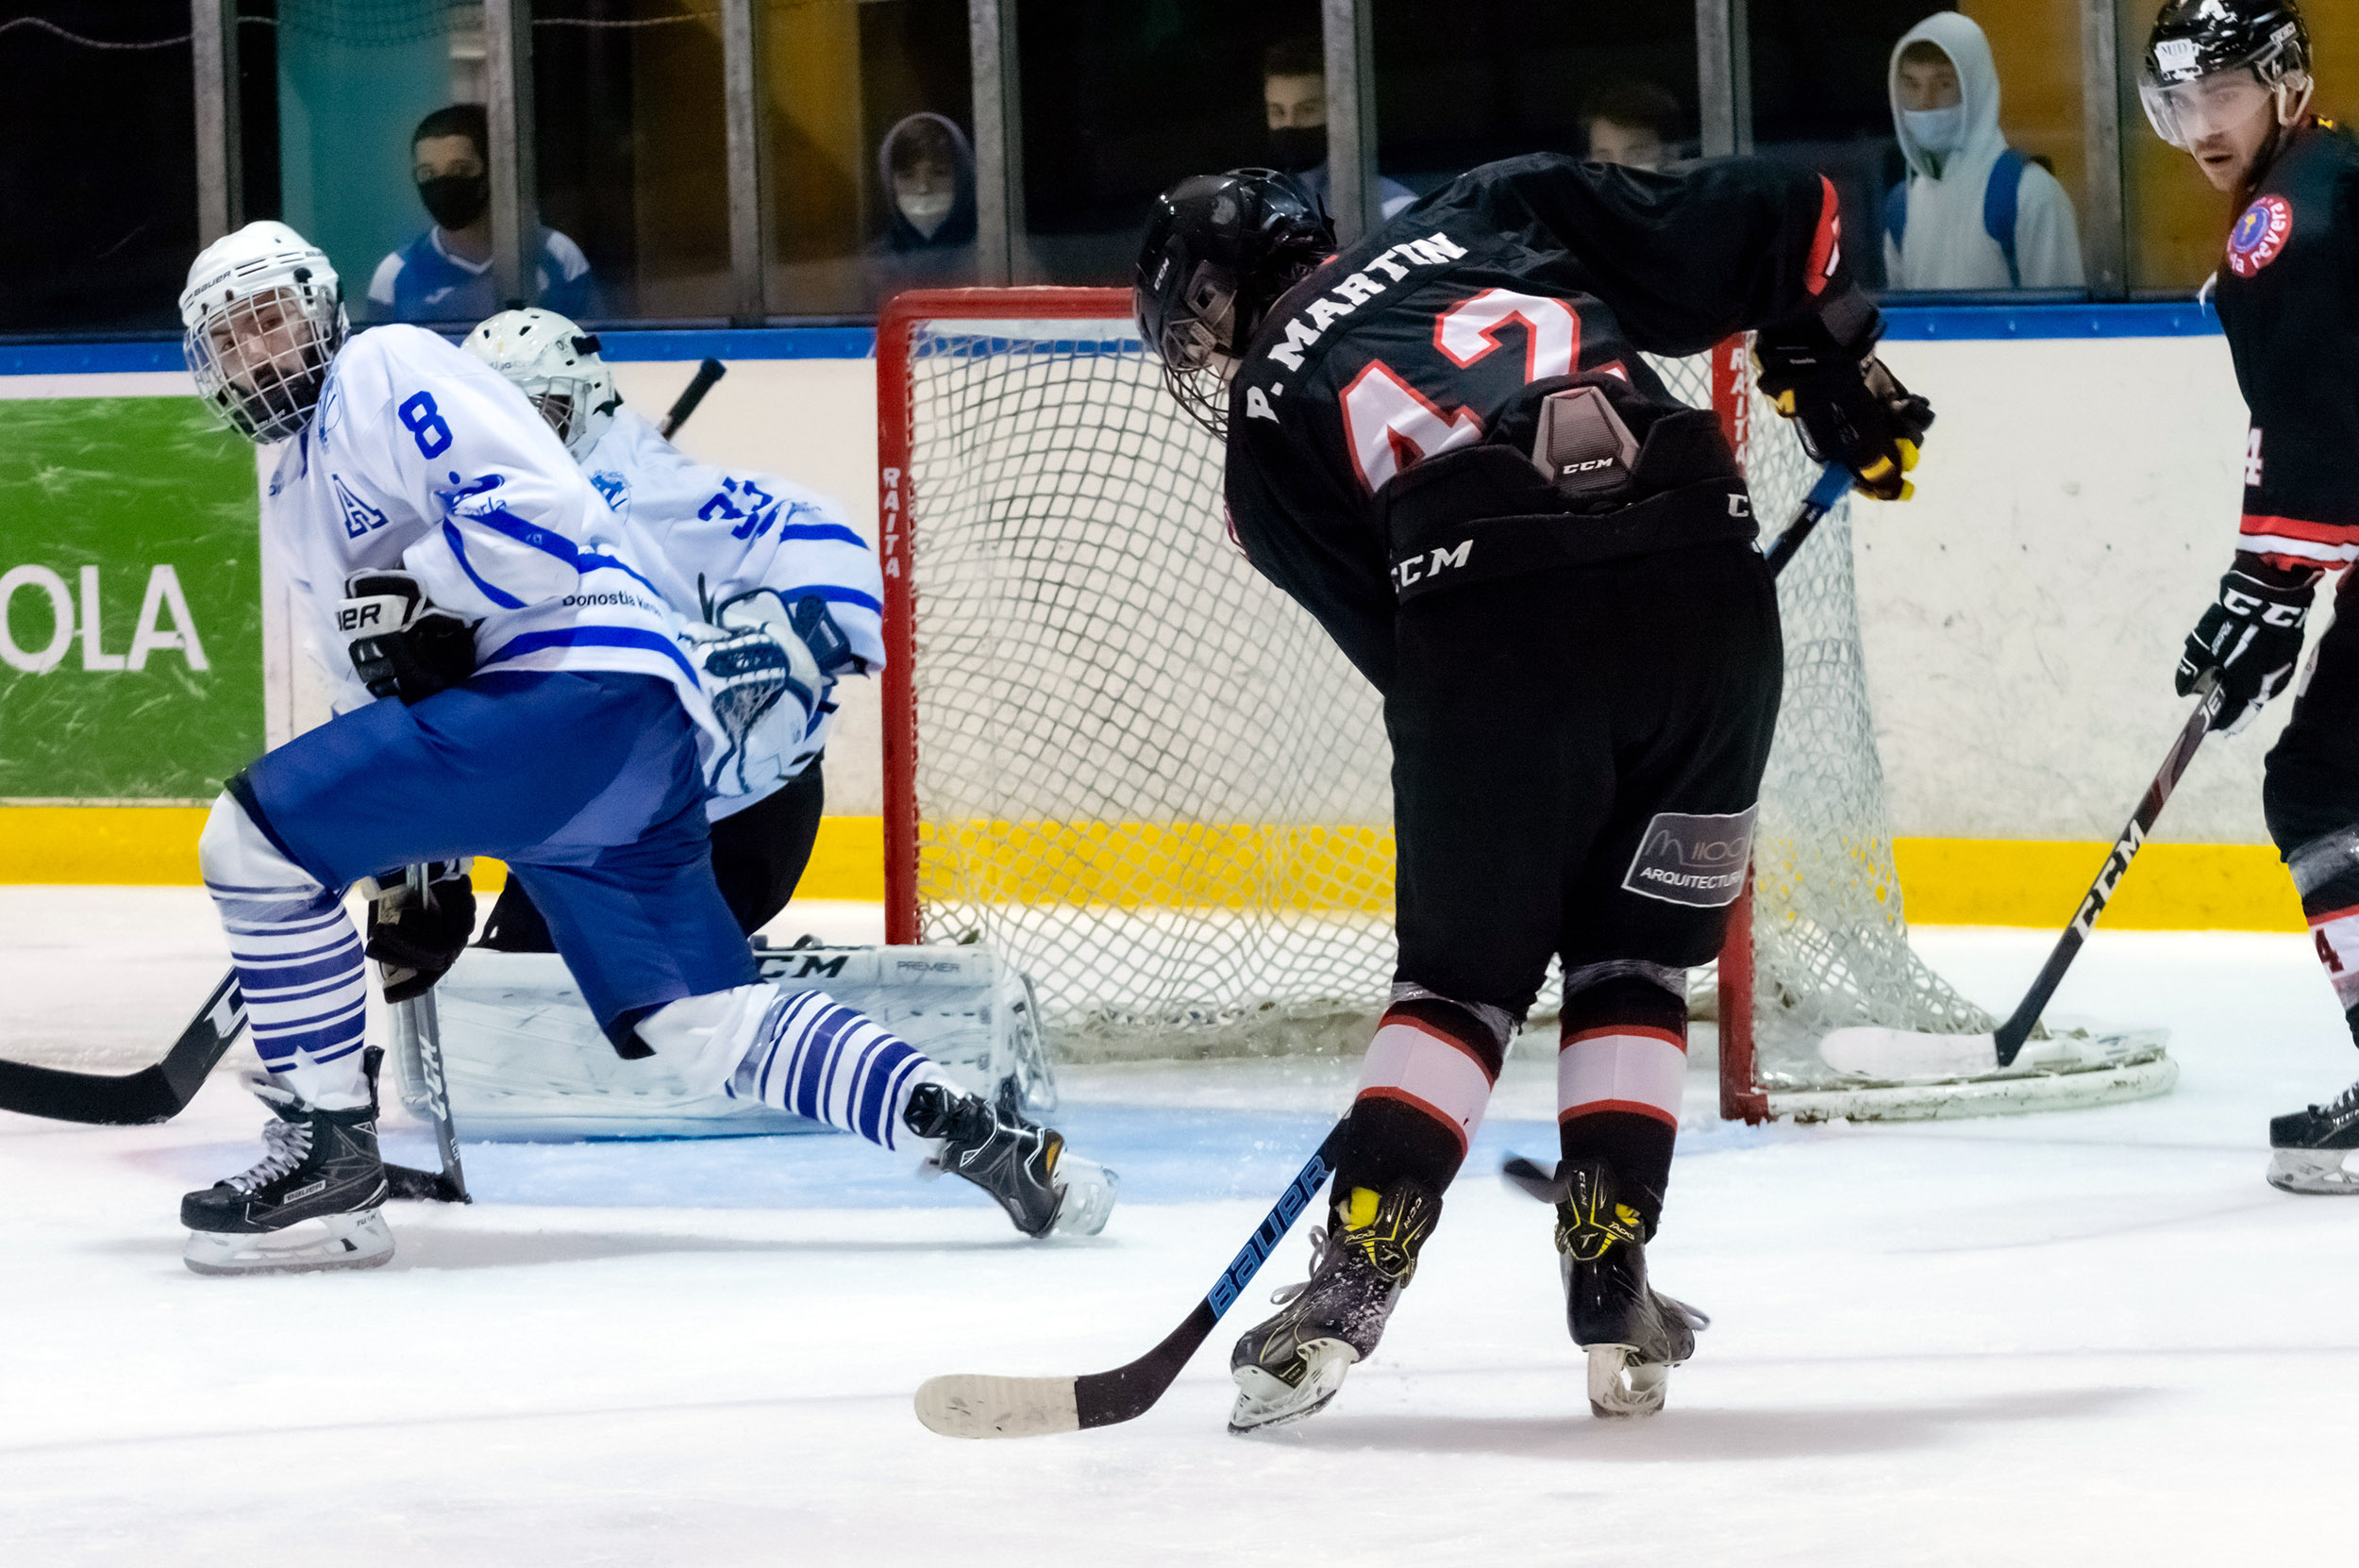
{"x":1418,"y":568}
{"x":1697,"y":861}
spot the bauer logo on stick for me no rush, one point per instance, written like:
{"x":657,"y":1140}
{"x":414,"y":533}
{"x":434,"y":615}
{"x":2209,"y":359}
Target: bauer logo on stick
{"x":1699,"y":861}
{"x":2260,"y":235}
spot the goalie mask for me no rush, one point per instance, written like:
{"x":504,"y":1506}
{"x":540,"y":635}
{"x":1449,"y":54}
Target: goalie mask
{"x":263,"y":317}
{"x":555,"y":365}
{"x":2211,"y":63}
{"x":1218,"y":253}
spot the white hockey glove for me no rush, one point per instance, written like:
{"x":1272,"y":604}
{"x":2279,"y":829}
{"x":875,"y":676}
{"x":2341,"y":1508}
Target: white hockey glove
{"x":400,"y":644}
{"x":750,"y":664}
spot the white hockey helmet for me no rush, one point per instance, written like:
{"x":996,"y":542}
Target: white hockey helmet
{"x":556,"y":364}
{"x":263,"y":317}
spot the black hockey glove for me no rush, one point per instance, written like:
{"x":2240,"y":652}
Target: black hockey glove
{"x":1852,"y":409}
{"x":418,"y":934}
{"x":401,"y":645}
{"x":2252,"y":637}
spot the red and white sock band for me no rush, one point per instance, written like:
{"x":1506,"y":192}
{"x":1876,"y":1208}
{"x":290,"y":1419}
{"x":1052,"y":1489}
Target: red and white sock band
{"x":2335,"y":934}
{"x":1414,"y":1061}
{"x":1632,"y":1067}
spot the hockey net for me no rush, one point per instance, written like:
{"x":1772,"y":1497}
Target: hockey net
{"x":1140,"y":773}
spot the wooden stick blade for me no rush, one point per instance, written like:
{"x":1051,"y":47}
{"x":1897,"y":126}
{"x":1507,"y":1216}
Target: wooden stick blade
{"x":965,"y":1404}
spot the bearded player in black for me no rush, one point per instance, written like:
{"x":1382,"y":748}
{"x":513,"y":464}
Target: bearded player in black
{"x":1443,"y":442}
{"x":2228,"y":81}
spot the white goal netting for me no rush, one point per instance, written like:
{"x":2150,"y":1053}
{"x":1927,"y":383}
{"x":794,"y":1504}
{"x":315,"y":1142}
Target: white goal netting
{"x":1146,"y":776}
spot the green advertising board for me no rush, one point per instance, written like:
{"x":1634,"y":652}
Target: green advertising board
{"x":130,"y":600}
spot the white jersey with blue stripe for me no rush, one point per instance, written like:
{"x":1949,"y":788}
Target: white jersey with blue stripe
{"x":424,"y":460}
{"x":710,"y":535}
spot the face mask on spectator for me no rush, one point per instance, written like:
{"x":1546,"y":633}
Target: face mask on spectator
{"x":927,"y":210}
{"x":1297,"y":149}
{"x":456,"y":200}
{"x":1937,"y":131}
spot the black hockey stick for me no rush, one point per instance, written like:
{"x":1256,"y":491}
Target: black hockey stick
{"x":153,"y":1094}
{"x":971,"y":1406}
{"x":1897,"y":1053}
{"x":1832,"y":481}
{"x":684,"y":404}
{"x":421,"y":1020}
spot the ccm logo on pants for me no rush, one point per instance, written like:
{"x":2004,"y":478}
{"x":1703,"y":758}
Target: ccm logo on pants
{"x":1699,"y":862}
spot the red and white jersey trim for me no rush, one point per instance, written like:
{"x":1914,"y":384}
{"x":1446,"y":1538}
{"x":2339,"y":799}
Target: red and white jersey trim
{"x":2291,"y":542}
{"x":1424,"y":1068}
{"x":2335,"y":934}
{"x":1624,"y":1067}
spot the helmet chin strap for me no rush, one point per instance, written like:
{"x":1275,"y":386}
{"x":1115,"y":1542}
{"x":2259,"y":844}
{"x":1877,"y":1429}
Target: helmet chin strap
{"x":2289,"y":112}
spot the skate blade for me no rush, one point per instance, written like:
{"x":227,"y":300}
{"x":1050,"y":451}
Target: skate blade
{"x":1266,"y":1401}
{"x":2316,"y":1172}
{"x":1089,"y":1193}
{"x":1623,"y":1387}
{"x":333,"y":1242}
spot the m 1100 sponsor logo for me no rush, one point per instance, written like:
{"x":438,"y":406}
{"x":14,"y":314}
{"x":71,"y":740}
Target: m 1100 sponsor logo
{"x":1696,"y":861}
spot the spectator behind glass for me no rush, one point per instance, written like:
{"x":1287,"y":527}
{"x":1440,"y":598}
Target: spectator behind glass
{"x":927,"y":171}
{"x":446,"y":273}
{"x":1974,"y":213}
{"x":1632,"y":124}
{"x":1294,"y":90}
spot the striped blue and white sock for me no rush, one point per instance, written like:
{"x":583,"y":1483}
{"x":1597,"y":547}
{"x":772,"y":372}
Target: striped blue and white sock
{"x":298,"y":961}
{"x":816,"y":1057}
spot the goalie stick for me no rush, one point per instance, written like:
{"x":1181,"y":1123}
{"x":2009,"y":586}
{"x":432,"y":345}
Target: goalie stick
{"x":685,"y":404}
{"x":1902,"y":1053}
{"x":968,"y":1404}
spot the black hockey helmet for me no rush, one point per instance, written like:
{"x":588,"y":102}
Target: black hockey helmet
{"x":1219,"y":251}
{"x":2194,"y":38}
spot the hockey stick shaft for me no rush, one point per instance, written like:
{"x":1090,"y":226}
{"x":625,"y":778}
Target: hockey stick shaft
{"x":153,"y":1094}
{"x":685,"y":404}
{"x":1833,"y":480}
{"x":2209,"y":698}
{"x":982,"y":1407}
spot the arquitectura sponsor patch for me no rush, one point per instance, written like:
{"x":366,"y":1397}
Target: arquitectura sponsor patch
{"x":1697,"y":861}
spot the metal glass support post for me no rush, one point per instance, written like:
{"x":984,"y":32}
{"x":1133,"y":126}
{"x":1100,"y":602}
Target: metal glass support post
{"x":1346,"y":29}
{"x":515,"y":206}
{"x":1724,"y":77}
{"x":743,"y":72}
{"x":2105,"y":223}
{"x":213,"y":48}
{"x":999,"y":139}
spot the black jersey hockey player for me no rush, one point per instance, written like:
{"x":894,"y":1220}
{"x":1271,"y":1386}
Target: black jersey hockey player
{"x":1444,"y":443}
{"x":2228,"y":81}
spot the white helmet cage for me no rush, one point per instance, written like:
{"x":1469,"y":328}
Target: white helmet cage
{"x":263,"y":317}
{"x":555,"y":365}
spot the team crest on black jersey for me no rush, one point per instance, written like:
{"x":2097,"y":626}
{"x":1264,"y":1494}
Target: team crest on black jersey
{"x":2260,"y":235}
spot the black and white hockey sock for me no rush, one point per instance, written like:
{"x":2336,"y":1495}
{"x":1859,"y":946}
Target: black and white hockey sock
{"x":1424,"y":1086}
{"x":1619,"y":1072}
{"x":299,"y":960}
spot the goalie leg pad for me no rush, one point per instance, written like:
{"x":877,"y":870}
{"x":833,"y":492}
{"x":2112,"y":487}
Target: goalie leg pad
{"x":297,"y":956}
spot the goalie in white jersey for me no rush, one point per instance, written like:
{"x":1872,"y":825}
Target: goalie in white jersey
{"x":728,"y":550}
{"x":516,"y":687}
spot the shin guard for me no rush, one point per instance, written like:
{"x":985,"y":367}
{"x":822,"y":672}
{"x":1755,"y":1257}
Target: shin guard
{"x":1424,"y":1086}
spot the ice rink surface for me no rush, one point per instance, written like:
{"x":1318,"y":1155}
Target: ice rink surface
{"x":2085,"y":1337}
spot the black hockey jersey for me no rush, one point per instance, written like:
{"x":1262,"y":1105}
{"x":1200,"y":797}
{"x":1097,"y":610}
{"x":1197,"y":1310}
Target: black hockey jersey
{"x":2289,"y":300}
{"x":1409,"y":343}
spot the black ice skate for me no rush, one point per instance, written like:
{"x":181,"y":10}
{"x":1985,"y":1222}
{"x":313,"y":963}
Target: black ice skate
{"x":2306,"y":1148}
{"x":317,"y":1165}
{"x":1633,"y":1335}
{"x":1289,"y":1367}
{"x":1024,"y":1165}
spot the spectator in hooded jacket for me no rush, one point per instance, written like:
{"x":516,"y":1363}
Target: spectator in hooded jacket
{"x":927,"y":172}
{"x":1973,"y":214}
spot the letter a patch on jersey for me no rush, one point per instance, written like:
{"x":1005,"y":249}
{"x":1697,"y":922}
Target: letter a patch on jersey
{"x":360,"y":517}
{"x":2259,"y":237}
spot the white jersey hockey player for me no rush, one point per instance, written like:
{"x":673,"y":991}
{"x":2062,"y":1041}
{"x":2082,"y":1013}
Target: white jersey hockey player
{"x":529,"y":700}
{"x":727,"y":549}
